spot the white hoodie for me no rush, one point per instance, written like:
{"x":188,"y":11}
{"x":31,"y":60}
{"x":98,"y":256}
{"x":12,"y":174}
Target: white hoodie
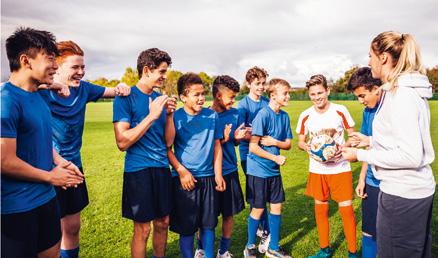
{"x":401,"y":149}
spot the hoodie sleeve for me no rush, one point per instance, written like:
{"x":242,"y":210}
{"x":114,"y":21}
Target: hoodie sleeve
{"x":407,"y":150}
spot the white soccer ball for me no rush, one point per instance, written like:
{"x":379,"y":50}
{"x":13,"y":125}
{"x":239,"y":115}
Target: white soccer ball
{"x":322,"y":148}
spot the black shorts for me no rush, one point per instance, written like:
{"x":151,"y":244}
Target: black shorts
{"x":28,"y":233}
{"x":369,"y":210}
{"x":146,"y":194}
{"x":72,"y":200}
{"x":260,"y":190}
{"x":198,"y":208}
{"x":231,"y":200}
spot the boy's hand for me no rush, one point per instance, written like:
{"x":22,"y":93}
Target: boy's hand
{"x":171,"y":104}
{"x":220,"y":183}
{"x":268,"y":141}
{"x":248,"y":133}
{"x":60,"y":89}
{"x":349,"y":154}
{"x":360,"y":189}
{"x":62,"y":176}
{"x":156,"y":106}
{"x":280,"y":160}
{"x":187,"y":180}
{"x":227,"y":131}
{"x":358,"y":140}
{"x":240,"y":132}
{"x":122,"y":89}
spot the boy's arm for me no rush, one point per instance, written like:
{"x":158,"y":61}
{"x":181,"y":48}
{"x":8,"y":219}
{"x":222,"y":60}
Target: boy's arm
{"x":126,"y":137}
{"x":217,"y":159}
{"x":270,"y":141}
{"x":15,"y":167}
{"x":257,"y":150}
{"x":360,"y":188}
{"x":302,"y":144}
{"x":169,"y":132}
{"x":58,"y":160}
{"x":186,"y":178}
{"x":120,"y":90}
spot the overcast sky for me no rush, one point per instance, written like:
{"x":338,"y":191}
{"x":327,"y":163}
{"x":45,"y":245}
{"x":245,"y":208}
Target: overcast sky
{"x":291,"y":39}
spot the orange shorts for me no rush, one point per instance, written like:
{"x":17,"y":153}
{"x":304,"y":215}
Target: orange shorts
{"x":340,"y":186}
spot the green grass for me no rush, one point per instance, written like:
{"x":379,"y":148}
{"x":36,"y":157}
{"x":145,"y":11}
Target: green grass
{"x":106,"y":234}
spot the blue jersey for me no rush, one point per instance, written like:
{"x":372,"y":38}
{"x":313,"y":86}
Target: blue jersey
{"x":229,"y":161}
{"x":150,"y":150}
{"x":69,"y":117}
{"x":26,"y":118}
{"x":367,"y":129}
{"x":268,"y":123}
{"x":248,"y":110}
{"x":194,"y":141}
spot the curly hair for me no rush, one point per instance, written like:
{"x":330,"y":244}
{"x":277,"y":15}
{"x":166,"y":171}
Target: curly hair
{"x":317,"y":79}
{"x":30,"y":42}
{"x":362,"y":78}
{"x":187,"y":80}
{"x":255,"y":73}
{"x":152,"y":58}
{"x":225,"y":81}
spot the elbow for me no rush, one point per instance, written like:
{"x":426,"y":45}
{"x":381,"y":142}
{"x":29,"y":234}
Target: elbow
{"x":122,"y":146}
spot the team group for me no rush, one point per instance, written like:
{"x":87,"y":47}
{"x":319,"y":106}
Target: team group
{"x":42,"y":183}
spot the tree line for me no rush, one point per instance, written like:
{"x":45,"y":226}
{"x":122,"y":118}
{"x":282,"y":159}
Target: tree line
{"x":338,"y":87}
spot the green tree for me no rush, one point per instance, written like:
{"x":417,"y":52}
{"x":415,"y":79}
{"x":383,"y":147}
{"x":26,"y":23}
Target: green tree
{"x":208,"y":81}
{"x":340,"y":85}
{"x":170,"y":84}
{"x":130,"y":77}
{"x":432,"y":74}
{"x":102,"y":81}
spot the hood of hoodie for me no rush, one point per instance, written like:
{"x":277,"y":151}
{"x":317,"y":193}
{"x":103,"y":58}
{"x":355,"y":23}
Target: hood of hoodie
{"x":419,"y":82}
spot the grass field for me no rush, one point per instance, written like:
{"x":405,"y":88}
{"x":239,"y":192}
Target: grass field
{"x":106,"y":234}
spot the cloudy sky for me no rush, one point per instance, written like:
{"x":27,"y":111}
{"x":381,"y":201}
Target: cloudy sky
{"x":291,"y":39}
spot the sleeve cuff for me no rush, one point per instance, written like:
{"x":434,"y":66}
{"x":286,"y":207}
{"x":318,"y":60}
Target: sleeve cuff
{"x":362,"y":155}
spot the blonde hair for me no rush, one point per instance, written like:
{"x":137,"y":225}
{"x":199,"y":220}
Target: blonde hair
{"x":404,"y":51}
{"x":274,"y":83}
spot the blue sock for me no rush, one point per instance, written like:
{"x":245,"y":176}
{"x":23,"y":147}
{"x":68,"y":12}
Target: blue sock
{"x":225,"y":244}
{"x":186,"y":245}
{"x":369,"y":247}
{"x":72,"y":253}
{"x":275,"y":222}
{"x":207,"y":238}
{"x":253,"y":224}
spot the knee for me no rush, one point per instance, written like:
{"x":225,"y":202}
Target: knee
{"x":142,"y":230}
{"x":72,"y":227}
{"x":161,"y":223}
{"x":345,"y":203}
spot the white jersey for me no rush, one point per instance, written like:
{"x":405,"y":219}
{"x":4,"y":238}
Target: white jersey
{"x":333,"y":121}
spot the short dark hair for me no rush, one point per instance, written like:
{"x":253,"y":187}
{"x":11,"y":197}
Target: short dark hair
{"x":30,"y":42}
{"x":317,"y":79}
{"x":152,"y":58}
{"x":362,"y":78}
{"x":225,"y":81}
{"x":187,"y":80}
{"x":255,"y":73}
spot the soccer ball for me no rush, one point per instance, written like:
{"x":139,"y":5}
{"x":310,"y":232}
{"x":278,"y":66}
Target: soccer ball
{"x":322,"y":147}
